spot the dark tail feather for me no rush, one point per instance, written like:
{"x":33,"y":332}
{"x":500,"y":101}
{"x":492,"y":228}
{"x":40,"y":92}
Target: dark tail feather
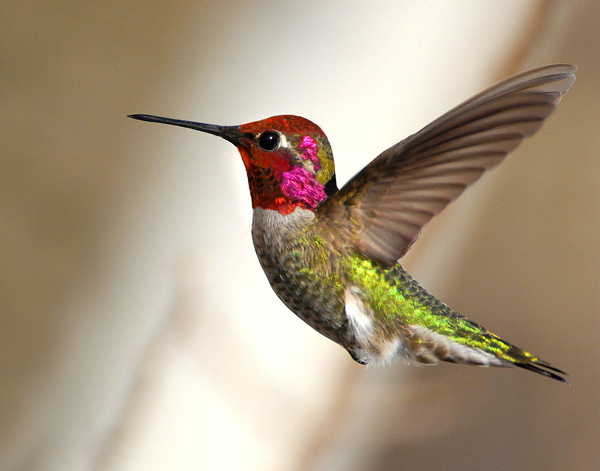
{"x":545,"y":369}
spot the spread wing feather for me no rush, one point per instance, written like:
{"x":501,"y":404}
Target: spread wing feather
{"x":381,"y":211}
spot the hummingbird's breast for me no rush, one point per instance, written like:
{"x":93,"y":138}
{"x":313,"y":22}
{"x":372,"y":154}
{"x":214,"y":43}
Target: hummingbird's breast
{"x":301,"y":268}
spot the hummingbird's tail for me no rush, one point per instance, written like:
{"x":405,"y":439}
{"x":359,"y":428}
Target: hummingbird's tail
{"x":545,"y":369}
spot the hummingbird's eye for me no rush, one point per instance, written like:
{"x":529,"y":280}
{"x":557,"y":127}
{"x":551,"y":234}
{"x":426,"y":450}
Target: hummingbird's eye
{"x":269,"y":141}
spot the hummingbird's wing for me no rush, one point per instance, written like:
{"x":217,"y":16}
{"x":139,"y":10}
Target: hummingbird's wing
{"x":382,"y":209}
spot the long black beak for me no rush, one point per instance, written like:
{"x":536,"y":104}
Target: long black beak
{"x":230,"y":133}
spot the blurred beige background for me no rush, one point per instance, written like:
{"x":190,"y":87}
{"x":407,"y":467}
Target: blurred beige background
{"x":138,"y":331}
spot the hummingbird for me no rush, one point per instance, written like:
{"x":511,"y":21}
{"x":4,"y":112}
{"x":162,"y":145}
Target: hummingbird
{"x":332,"y":255}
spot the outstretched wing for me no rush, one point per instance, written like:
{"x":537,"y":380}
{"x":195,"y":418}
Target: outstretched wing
{"x":382,"y":209}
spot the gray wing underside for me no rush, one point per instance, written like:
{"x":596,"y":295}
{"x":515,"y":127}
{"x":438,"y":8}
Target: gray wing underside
{"x":382,"y":209}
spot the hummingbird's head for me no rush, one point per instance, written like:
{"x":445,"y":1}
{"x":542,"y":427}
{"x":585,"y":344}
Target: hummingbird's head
{"x":288,"y":159}
{"x":289,"y":163}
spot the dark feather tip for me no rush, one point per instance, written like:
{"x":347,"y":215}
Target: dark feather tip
{"x":544,"y":369}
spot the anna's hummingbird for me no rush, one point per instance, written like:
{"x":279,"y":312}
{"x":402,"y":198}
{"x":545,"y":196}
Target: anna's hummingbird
{"x":332,"y":255}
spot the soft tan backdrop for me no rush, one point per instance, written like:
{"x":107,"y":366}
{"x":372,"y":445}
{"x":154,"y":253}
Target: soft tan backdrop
{"x":137,"y":330}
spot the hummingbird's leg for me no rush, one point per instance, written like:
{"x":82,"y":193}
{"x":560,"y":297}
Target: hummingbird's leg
{"x":356,"y":358}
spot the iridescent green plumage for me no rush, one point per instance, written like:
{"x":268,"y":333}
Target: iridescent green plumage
{"x":398,"y":301}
